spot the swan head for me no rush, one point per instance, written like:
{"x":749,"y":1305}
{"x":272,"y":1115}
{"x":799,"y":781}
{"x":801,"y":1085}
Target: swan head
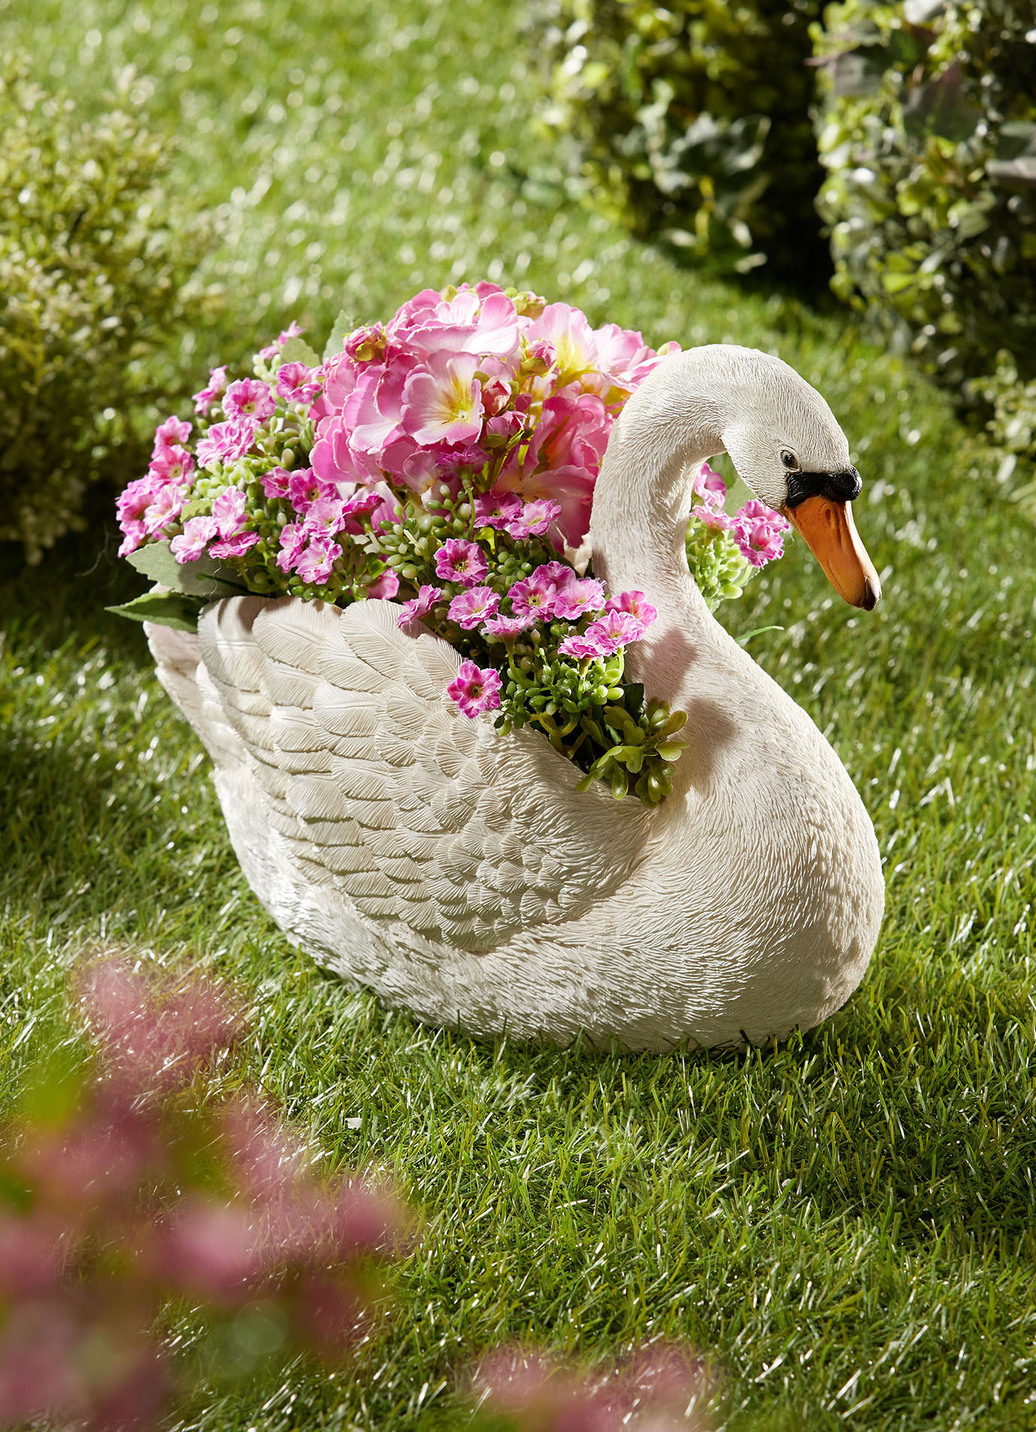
{"x":788,"y":448}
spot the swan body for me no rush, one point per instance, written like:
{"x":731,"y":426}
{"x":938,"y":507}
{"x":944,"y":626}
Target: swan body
{"x":458,"y":871}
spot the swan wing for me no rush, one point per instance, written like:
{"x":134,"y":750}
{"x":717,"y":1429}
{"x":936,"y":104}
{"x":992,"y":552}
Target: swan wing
{"x":383,"y":789}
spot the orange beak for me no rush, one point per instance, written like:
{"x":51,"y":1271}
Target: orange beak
{"x":831,"y":536}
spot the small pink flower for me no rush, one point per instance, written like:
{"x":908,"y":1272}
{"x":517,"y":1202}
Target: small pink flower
{"x":710,"y":487}
{"x":249,"y":398}
{"x":215,"y":388}
{"x":418,"y":607}
{"x":167,"y":503}
{"x":469,"y":609}
{"x":497,"y":508}
{"x":171,"y":464}
{"x":634,"y":602}
{"x":174,"y":432}
{"x":535,"y":518}
{"x":198,"y":532}
{"x":385,"y":587}
{"x":293,"y":541}
{"x":235,"y":546}
{"x":305,"y":488}
{"x":316,"y":562}
{"x":507,"y":628}
{"x":613,"y":630}
{"x":475,"y":689}
{"x":275,"y":482}
{"x":536,"y":595}
{"x":460,"y":561}
{"x":228,"y":511}
{"x":325,"y":516}
{"x":226,"y":442}
{"x":577,"y":598}
{"x":759,"y":532}
{"x":295,"y":383}
{"x":584,"y":646}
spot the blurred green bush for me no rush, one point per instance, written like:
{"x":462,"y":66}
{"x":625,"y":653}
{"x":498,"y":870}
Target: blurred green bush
{"x":94,"y":274}
{"x":928,"y":135}
{"x":690,"y":122}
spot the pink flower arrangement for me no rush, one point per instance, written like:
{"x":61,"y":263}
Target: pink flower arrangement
{"x":445,"y":459}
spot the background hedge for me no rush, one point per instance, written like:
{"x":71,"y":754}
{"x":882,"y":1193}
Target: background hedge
{"x":93,"y":283}
{"x":692,"y":122}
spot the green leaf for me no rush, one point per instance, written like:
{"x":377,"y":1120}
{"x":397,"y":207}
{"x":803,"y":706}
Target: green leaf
{"x":341,"y":328}
{"x":171,"y":609}
{"x":204,"y":578}
{"x":297,"y":350}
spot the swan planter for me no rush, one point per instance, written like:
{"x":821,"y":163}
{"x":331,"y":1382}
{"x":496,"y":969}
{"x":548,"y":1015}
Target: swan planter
{"x":462,"y":865}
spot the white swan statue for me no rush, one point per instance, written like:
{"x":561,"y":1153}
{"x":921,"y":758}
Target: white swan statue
{"x":458,"y":872}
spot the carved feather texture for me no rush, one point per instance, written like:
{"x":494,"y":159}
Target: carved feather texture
{"x":376,"y":781}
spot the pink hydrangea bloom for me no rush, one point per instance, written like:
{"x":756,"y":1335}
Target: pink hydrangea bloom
{"x":471,"y":608}
{"x":226,"y":442}
{"x":384,"y":587}
{"x":418,"y":607}
{"x":249,"y":398}
{"x":442,"y":400}
{"x":576,"y":598}
{"x":215,"y":388}
{"x":197,"y":533}
{"x":475,"y":689}
{"x":460,"y":561}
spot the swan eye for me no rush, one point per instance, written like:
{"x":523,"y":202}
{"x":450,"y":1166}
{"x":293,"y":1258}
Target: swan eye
{"x":789,"y":459}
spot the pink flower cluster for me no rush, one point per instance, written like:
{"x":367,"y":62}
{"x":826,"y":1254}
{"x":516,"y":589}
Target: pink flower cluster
{"x":758,"y":530}
{"x":552,"y":591}
{"x":469,"y":379}
{"x":149,"y":504}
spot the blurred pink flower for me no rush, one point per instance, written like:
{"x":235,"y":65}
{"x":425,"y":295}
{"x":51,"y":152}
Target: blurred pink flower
{"x":215,"y":388}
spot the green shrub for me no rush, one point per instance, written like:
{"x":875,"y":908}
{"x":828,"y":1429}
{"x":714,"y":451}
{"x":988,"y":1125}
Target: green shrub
{"x":92,"y":284}
{"x":691,"y":122}
{"x":928,"y":136}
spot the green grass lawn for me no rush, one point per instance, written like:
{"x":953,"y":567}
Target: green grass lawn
{"x":844,"y":1225}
